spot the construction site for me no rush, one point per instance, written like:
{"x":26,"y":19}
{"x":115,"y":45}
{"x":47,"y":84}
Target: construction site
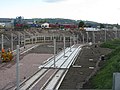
{"x":52,"y":60}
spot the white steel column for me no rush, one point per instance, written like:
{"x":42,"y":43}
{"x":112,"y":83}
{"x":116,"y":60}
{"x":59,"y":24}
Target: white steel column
{"x":17,"y":68}
{"x":74,"y":39}
{"x":105,"y":35}
{"x":2,"y":46}
{"x":77,"y":38}
{"x":83,"y":38}
{"x":44,"y":38}
{"x":35,"y":38}
{"x":32,"y":39}
{"x":93,"y":37}
{"x":19,"y":39}
{"x":54,"y":51}
{"x":50,"y":38}
{"x":70,"y":44}
{"x":87,"y":36}
{"x":12,"y":41}
{"x":64,"y":45}
{"x":24,"y":40}
{"x":116,"y":36}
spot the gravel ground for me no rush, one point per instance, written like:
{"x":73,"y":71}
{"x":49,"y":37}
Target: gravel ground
{"x":77,"y":76}
{"x":48,"y":48}
{"x":28,"y":65}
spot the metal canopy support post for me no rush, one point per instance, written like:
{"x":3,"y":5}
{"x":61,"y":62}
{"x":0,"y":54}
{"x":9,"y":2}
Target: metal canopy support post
{"x":35,"y":38}
{"x":51,"y":38}
{"x":83,"y":38}
{"x":77,"y":38}
{"x":24,"y":40}
{"x":2,"y":46}
{"x":32,"y":39}
{"x":12,"y":41}
{"x":64,"y":46}
{"x":70,"y":44}
{"x":54,"y":51}
{"x":116,"y":34}
{"x":17,"y":68}
{"x":44,"y":38}
{"x":19,"y":39}
{"x":105,"y":35}
{"x":93,"y":37}
{"x":74,"y":39}
{"x":87,"y":36}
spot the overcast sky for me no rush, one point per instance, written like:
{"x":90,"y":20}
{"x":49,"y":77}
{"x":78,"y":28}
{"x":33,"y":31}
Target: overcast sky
{"x":103,"y":11}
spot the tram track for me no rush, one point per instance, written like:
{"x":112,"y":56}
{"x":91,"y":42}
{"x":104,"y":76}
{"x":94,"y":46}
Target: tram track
{"x":58,"y":57}
{"x":38,"y":77}
{"x":44,"y":77}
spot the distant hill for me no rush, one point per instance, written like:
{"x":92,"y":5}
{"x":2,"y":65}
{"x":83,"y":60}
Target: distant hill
{"x":70,"y":21}
{"x":64,"y":21}
{"x":57,"y":20}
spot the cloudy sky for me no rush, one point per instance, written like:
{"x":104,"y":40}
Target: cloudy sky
{"x":103,"y":11}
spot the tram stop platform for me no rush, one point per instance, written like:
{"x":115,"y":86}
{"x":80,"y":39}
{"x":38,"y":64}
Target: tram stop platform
{"x":64,"y":59}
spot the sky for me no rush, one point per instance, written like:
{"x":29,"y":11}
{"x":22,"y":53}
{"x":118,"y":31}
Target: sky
{"x":103,"y":11}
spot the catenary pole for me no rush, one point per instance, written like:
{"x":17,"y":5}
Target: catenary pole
{"x":17,"y":68}
{"x":54,"y":51}
{"x":12,"y":41}
{"x":2,"y":46}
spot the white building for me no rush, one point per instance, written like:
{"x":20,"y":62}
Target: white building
{"x":91,"y":29}
{"x":45,"y":25}
{"x":2,"y":24}
{"x":115,"y":28}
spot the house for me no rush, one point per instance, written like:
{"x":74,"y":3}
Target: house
{"x":115,"y":28}
{"x":45,"y":25}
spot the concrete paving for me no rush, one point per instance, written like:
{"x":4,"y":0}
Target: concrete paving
{"x":62,"y":61}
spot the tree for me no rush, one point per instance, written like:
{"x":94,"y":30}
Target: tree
{"x":1,"y":26}
{"x":81,"y":25}
{"x":102,"y":26}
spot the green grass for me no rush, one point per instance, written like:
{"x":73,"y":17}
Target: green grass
{"x":103,"y":78}
{"x":111,"y":44}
